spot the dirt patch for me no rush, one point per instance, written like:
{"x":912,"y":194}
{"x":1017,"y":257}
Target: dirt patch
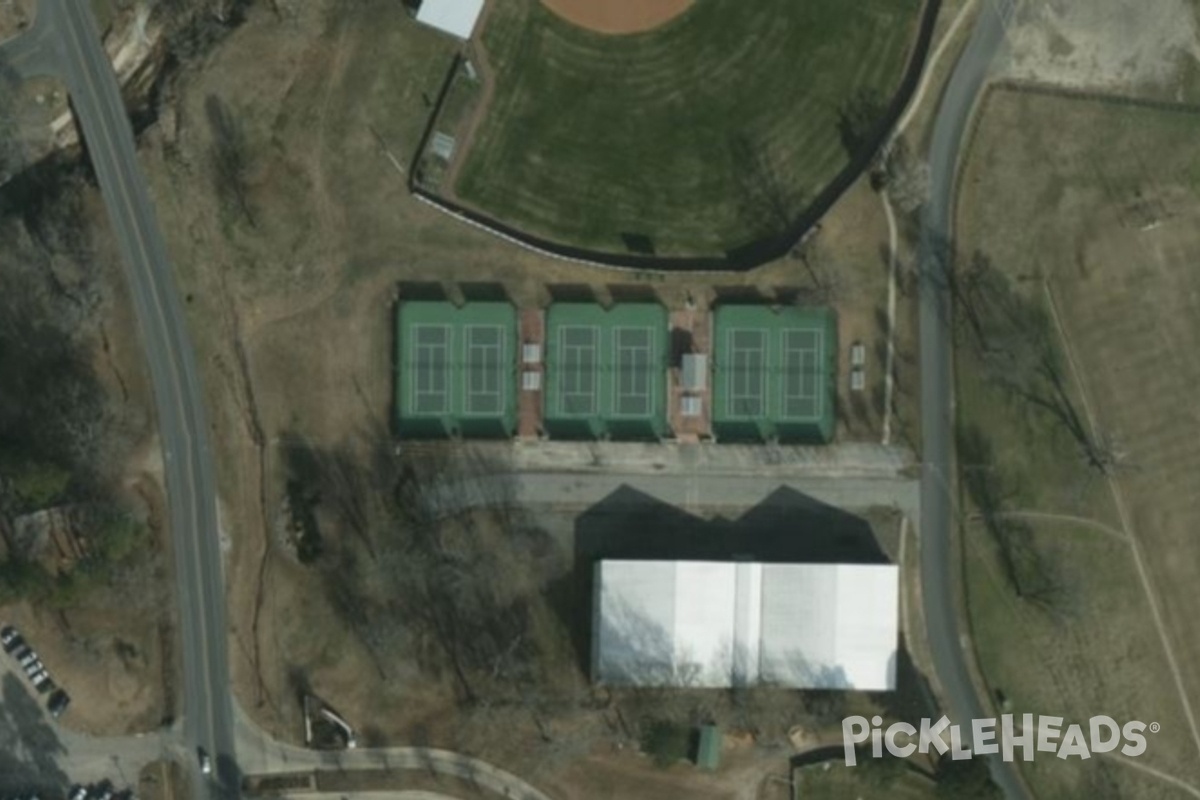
{"x":15,"y":17}
{"x":618,"y":16}
{"x":1108,"y":44}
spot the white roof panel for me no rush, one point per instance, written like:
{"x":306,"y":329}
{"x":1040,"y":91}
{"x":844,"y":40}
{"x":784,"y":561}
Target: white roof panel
{"x":831,"y":626}
{"x":456,"y":17}
{"x":695,"y":371}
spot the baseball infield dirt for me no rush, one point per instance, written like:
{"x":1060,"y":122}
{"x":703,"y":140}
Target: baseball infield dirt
{"x":618,"y":16}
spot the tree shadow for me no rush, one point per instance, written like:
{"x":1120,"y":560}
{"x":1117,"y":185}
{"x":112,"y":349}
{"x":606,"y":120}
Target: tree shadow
{"x":29,"y":747}
{"x":682,"y":343}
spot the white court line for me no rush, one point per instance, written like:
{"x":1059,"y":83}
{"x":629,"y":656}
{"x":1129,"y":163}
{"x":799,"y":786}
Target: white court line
{"x":417,"y":349}
{"x":621,"y":351}
{"x":576,"y":373}
{"x":488,"y":364}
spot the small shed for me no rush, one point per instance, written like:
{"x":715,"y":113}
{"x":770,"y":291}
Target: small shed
{"x":695,"y":372}
{"x":708,"y":750}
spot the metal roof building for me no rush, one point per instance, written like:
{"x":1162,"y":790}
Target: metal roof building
{"x":720,"y":624}
{"x":455,"y":17}
{"x":606,"y":371}
{"x":456,"y":369}
{"x":773,"y":373}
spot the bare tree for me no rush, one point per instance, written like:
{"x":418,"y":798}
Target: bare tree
{"x":231,"y":157}
{"x":768,"y":204}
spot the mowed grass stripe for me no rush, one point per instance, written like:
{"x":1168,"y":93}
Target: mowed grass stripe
{"x":593,"y":136}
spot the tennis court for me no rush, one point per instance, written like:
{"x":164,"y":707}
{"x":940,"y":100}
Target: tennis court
{"x":747,"y":373}
{"x":801,"y":352}
{"x":485,"y":345}
{"x":773,"y":373}
{"x":577,"y":346}
{"x":456,"y":373}
{"x":634,"y":391}
{"x":431,"y":349}
{"x":606,"y":371}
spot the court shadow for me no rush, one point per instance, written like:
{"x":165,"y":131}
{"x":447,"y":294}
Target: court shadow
{"x":788,"y":295}
{"x":422,"y":290}
{"x":484,"y":292}
{"x":633,"y":293}
{"x":735,"y":295}
{"x":572,"y":293}
{"x":786,"y":527}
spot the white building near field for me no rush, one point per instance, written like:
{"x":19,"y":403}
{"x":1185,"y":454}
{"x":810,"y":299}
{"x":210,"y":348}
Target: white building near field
{"x":719,"y":624}
{"x":455,"y":17}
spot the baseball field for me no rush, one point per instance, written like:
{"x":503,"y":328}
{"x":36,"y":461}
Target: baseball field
{"x":713,"y":129}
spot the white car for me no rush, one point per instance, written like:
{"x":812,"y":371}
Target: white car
{"x":205,"y":761}
{"x":8,"y":635}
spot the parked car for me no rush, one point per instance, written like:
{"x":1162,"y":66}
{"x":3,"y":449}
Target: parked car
{"x":102,"y":791}
{"x":44,"y":683}
{"x":9,"y":638}
{"x":58,"y":702}
{"x":78,"y":792}
{"x":21,"y":651}
{"x":28,"y":660}
{"x":205,"y":761}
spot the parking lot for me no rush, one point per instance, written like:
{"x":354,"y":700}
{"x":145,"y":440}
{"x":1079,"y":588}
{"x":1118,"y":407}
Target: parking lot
{"x":39,"y":755}
{"x":22,"y":652}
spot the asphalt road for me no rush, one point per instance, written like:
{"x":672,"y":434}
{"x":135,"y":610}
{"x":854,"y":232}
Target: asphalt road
{"x":939,"y":572}
{"x":690,"y":492}
{"x":64,"y":42}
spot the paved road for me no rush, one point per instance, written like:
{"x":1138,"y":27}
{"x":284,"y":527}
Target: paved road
{"x":939,"y":573}
{"x":65,"y":42}
{"x":691,"y":492}
{"x":262,"y":754}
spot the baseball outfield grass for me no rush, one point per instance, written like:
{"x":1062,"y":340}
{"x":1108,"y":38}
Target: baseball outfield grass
{"x":695,"y":138}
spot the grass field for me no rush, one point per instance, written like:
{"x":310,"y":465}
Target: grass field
{"x":707,"y":133}
{"x":1097,"y":202}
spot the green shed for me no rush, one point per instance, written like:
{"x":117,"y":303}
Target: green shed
{"x":708,"y":750}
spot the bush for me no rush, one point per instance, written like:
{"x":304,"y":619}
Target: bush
{"x":666,"y":742}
